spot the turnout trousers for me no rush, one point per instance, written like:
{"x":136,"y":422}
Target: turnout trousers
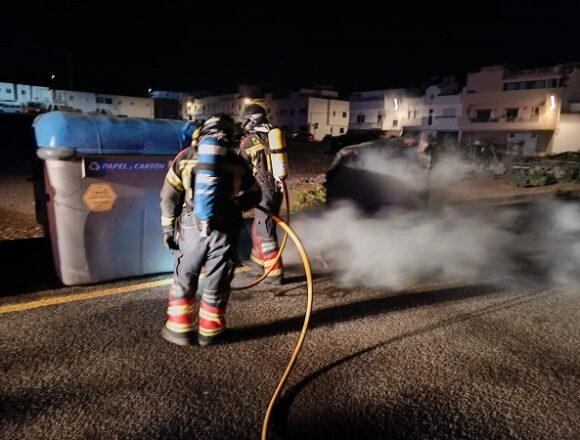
{"x":217,"y":253}
{"x":264,"y":237}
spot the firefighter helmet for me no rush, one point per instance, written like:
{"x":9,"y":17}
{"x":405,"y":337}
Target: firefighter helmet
{"x":255,"y":115}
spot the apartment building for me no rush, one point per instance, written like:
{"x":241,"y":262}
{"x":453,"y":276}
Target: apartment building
{"x":319,"y":112}
{"x":387,"y":110}
{"x":45,"y":99}
{"x":522,"y":109}
{"x":198,"y":107}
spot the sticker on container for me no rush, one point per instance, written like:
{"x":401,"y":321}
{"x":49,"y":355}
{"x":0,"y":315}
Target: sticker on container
{"x":98,"y":167}
{"x":100,"y":197}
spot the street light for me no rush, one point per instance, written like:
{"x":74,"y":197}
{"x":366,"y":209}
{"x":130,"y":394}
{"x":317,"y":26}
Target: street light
{"x":247,"y":101}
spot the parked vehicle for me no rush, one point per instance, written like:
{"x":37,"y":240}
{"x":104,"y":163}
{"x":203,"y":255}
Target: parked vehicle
{"x":378,"y":174}
{"x":35,"y":108}
{"x":9,"y":107}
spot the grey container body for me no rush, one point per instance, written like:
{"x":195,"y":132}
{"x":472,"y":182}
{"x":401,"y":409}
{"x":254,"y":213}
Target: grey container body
{"x":93,"y":246}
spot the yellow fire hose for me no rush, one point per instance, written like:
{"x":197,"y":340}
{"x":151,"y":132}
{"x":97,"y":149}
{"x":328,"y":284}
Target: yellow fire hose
{"x":310,"y":286}
{"x":282,"y":245}
{"x":310,"y":289}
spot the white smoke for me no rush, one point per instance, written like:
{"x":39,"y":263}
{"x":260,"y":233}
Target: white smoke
{"x":397,"y":248}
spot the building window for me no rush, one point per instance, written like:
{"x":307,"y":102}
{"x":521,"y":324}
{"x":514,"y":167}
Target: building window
{"x":71,"y":98}
{"x":341,"y":130}
{"x":380,"y":118}
{"x":23,"y":92}
{"x":360,"y":119}
{"x":331,"y":130}
{"x":409,"y":114}
{"x":553,"y":83}
{"x":395,"y":122}
{"x":415,"y":114}
{"x":333,"y":113}
{"x":119,"y":102}
{"x":344,"y":114}
{"x":108,"y":100}
{"x":302,"y":111}
{"x":511,"y":114}
{"x":8,"y":90}
{"x":483,"y":115}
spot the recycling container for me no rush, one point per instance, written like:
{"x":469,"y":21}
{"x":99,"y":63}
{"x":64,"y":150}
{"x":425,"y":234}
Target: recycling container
{"x":102,"y":179}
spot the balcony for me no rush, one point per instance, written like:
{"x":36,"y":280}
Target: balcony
{"x":440,"y":121}
{"x":503,"y":119}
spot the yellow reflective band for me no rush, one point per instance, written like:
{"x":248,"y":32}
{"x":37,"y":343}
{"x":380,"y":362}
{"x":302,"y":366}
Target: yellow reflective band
{"x":174,"y":180}
{"x":167,"y":221}
{"x":256,"y":259}
{"x":275,"y":273}
{"x":210,"y":332}
{"x":179,"y":310}
{"x":179,"y":328}
{"x":254,"y":150}
{"x":187,"y":162}
{"x":216,"y":317}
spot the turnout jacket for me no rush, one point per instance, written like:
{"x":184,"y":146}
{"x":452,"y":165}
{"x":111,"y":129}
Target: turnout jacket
{"x":255,"y":150}
{"x":177,"y":193}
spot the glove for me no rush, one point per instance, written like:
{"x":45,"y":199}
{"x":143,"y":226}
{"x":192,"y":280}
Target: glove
{"x":169,"y":240}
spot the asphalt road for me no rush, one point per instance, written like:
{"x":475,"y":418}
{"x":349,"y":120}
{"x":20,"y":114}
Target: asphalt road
{"x":438,"y":361}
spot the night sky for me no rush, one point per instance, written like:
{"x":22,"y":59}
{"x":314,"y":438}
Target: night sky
{"x":186,"y":46}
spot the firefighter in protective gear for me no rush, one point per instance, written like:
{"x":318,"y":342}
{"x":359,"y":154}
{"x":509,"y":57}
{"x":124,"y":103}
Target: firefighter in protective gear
{"x":207,"y":188}
{"x":255,"y":148}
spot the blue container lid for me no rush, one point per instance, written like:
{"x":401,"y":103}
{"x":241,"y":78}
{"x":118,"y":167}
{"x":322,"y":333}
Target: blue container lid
{"x":103,"y":135}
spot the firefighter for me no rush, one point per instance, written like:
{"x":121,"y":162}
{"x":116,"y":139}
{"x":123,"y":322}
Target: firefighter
{"x":254,"y":147}
{"x":207,"y":188}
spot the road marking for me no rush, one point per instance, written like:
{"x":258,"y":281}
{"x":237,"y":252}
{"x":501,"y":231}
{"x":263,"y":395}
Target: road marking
{"x":11,"y":308}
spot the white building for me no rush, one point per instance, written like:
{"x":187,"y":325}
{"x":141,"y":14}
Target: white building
{"x":201,"y":106}
{"x":69,"y":100}
{"x":440,"y":113}
{"x":315,"y":111}
{"x":24,"y":95}
{"x":387,"y":110}
{"x":521,"y":108}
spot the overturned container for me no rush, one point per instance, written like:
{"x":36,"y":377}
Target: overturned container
{"x":100,"y":200}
